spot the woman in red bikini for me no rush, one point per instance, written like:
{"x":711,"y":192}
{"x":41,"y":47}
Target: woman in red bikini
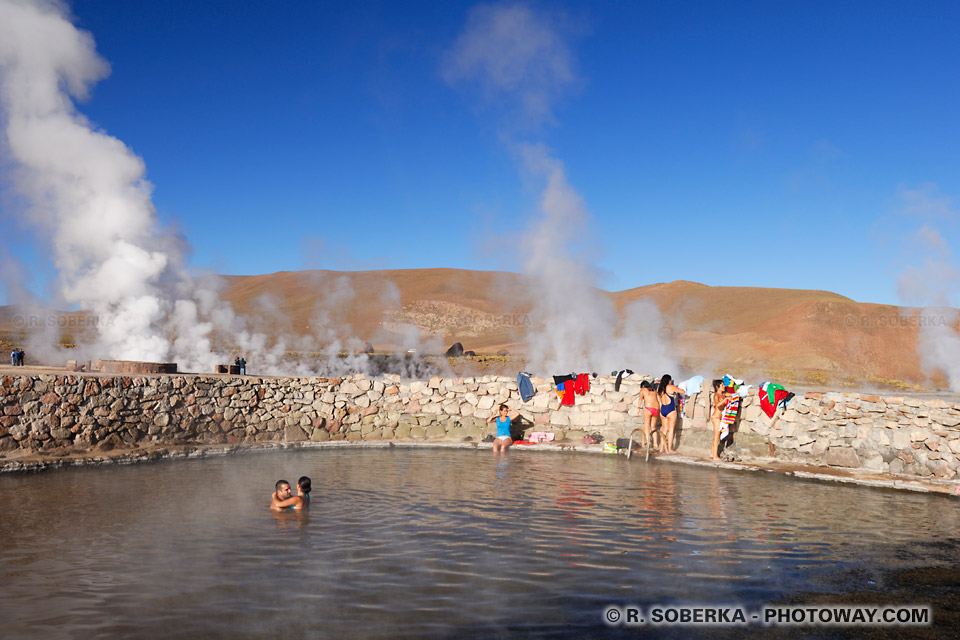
{"x":650,"y":408}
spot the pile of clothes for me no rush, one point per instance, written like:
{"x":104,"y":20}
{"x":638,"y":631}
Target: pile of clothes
{"x":772,"y":397}
{"x":570,"y":384}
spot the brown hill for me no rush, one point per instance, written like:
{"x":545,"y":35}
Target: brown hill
{"x":745,"y":328}
{"x":784,"y":329}
{"x":474,"y":307}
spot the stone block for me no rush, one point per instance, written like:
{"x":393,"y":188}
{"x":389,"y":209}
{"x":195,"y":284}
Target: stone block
{"x":350,"y":389}
{"x":579,"y":419}
{"x":843,"y":457}
{"x":949,"y":420}
{"x":294,"y":433}
{"x":560,"y":418}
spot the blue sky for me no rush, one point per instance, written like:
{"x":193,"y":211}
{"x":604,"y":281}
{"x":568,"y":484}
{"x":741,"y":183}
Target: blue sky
{"x":775,"y":144}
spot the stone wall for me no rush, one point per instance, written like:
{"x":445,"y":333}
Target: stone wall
{"x":83,"y":412}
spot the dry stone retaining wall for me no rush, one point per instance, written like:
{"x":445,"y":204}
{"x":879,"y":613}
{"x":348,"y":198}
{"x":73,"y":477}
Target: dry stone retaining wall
{"x":900,"y":435}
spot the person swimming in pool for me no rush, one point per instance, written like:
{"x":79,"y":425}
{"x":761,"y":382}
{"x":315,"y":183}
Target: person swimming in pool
{"x":503,"y":417}
{"x":283,"y":497}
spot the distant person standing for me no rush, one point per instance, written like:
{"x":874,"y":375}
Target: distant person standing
{"x":20,"y":356}
{"x":242,"y":363}
{"x":13,"y":358}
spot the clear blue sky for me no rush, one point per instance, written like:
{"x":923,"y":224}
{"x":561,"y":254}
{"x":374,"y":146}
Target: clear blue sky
{"x":778,"y":144}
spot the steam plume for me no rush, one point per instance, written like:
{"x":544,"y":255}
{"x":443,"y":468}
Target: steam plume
{"x":520,"y":57}
{"x":932,"y":284}
{"x":88,"y":195}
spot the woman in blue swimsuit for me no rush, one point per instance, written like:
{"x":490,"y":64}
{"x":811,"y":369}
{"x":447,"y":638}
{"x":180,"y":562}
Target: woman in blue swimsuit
{"x":503,"y":418}
{"x":668,"y":411}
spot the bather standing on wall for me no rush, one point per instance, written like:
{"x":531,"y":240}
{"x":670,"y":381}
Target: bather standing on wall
{"x":718,"y":401}
{"x":666,"y":394}
{"x":650,"y":408}
{"x":503,"y":417}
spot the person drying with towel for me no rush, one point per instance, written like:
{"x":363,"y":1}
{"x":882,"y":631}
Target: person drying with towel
{"x":504,"y":417}
{"x":718,"y":402}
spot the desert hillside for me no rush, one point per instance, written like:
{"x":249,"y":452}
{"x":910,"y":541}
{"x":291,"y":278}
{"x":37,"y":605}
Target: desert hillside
{"x":743,"y":328}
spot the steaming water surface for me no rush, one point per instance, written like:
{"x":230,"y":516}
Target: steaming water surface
{"x":428,"y":542}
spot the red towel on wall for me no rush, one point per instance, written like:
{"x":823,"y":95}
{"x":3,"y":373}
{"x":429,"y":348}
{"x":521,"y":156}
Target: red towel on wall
{"x":582,"y":385}
{"x":765,"y":404}
{"x":567,"y":394}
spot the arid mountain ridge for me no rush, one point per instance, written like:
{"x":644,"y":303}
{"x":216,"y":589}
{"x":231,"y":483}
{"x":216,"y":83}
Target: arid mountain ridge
{"x":744,"y":329}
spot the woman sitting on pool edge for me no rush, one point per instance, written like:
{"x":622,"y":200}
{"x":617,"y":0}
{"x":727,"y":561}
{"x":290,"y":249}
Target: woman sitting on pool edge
{"x":503,"y":417}
{"x":282,"y":498}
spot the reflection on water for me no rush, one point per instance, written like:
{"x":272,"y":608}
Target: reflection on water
{"x":427,"y":542}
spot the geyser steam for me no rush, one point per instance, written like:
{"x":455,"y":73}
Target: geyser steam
{"x":88,"y":194}
{"x":519,"y":57}
{"x":931,"y":284}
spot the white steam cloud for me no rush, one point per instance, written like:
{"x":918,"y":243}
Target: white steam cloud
{"x":932,"y":283}
{"x":582,"y":329}
{"x":515,"y":54}
{"x":87,"y":194}
{"x":520,"y":58}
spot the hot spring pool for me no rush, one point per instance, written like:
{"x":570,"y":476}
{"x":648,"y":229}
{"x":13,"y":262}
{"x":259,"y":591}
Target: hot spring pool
{"x":433,"y":542}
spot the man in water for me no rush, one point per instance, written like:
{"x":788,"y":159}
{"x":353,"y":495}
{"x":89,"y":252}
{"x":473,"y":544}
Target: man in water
{"x":283,"y":498}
